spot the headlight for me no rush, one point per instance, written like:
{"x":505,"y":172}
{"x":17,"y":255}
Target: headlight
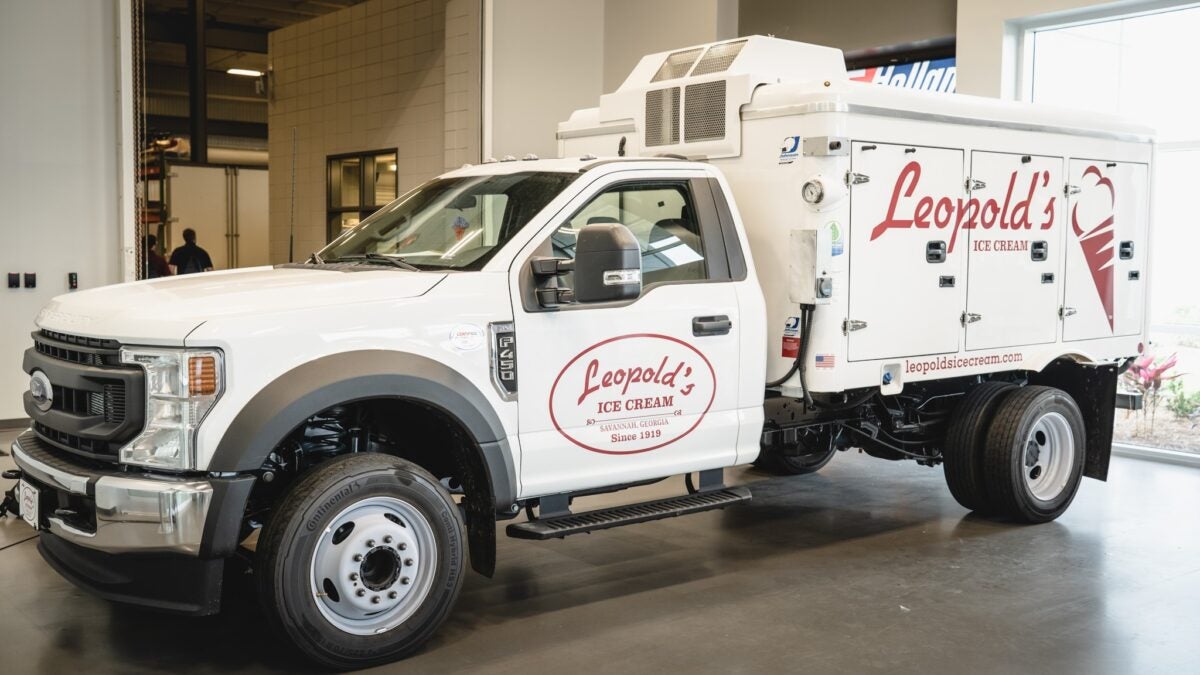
{"x":181,"y":387}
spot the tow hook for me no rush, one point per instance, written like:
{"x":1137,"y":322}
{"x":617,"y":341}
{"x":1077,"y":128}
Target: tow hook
{"x":10,"y":504}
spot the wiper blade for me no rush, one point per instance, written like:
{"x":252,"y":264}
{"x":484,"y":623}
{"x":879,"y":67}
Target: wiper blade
{"x":394,"y":261}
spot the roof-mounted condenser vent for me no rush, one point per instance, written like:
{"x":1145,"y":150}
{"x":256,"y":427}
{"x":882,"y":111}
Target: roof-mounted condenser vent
{"x":718,"y":58}
{"x":677,"y":64}
{"x":704,"y":111}
{"x":662,"y":116}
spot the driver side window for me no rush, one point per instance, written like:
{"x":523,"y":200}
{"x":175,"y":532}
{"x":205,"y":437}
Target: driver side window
{"x":662,"y":215}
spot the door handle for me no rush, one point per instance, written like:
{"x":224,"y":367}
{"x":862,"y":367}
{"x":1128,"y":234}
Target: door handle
{"x":711,"y":325}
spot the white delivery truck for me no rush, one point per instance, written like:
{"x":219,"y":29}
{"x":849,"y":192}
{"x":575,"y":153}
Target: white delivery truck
{"x":770,"y":264}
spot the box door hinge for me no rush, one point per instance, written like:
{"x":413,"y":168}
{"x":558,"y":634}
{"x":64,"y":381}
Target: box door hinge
{"x":850,"y":325}
{"x":1064,"y":312}
{"x":1069,"y":190}
{"x":974,"y":184}
{"x":856,"y":178}
{"x":969,"y":317}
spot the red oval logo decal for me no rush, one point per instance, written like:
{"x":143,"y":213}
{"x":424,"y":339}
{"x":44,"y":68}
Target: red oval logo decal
{"x":632,"y":393}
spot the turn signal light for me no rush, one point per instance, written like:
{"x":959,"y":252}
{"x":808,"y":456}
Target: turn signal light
{"x":202,"y":376}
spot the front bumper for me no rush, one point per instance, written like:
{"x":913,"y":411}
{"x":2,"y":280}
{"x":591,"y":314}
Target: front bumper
{"x":142,"y":513}
{"x":97,"y":522}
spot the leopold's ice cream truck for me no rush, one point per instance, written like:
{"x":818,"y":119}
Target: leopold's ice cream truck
{"x":742,"y":257}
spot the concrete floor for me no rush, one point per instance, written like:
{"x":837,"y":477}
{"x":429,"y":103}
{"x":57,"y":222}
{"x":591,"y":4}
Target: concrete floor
{"x":866,"y":567}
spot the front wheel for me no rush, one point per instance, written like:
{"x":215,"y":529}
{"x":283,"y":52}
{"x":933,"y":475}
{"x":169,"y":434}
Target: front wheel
{"x":1033,"y":456}
{"x":361,"y":561}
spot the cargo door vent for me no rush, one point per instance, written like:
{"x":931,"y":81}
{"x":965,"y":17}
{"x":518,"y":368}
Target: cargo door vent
{"x":704,"y":114}
{"x":662,"y":116}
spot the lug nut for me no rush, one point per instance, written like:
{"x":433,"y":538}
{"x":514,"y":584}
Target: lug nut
{"x":392,"y":595}
{"x":360,"y":592}
{"x":387,"y":539}
{"x":375,"y":600}
{"x":370,"y":543}
{"x":357,"y":557}
{"x":403,"y":546}
{"x":408,"y":562}
{"x":354,"y":576}
{"x":404,"y":581}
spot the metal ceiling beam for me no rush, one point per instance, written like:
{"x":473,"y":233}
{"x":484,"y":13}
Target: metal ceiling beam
{"x":197,"y":83}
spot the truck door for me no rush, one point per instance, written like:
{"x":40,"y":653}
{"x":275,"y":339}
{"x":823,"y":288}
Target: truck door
{"x":1106,"y":221}
{"x":1014,"y":250}
{"x":618,"y":392}
{"x":907,"y":256}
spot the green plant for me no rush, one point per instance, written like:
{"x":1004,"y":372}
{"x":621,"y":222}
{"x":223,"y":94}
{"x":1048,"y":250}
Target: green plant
{"x":1182,"y":403}
{"x":1148,"y":377}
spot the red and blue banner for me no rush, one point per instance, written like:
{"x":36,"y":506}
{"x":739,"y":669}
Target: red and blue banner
{"x":938,"y":75}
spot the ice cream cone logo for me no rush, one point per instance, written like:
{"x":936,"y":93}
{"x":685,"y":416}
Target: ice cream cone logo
{"x":1097,"y":242}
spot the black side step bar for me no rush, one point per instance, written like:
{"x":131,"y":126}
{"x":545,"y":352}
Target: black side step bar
{"x":602,"y":519}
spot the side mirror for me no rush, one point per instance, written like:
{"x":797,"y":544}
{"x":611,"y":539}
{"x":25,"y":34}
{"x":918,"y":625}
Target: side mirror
{"x":608,"y":264}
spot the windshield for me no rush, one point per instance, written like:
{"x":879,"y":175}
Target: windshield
{"x":450,"y":223}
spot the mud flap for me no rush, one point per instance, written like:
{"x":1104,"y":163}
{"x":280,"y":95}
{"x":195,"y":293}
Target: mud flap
{"x":1094,"y":388}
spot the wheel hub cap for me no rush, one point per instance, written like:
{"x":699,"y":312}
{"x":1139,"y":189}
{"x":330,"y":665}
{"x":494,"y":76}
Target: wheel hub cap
{"x":1049,"y":456}
{"x":373,"y":566}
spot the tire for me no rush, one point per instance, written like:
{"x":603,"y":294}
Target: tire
{"x":411,"y":537}
{"x":817,"y":448}
{"x":1033,"y":457}
{"x":962,"y":451}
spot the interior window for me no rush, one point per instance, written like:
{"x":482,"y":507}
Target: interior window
{"x":661,"y":216}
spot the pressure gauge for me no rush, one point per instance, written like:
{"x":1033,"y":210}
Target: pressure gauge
{"x":813,"y":191}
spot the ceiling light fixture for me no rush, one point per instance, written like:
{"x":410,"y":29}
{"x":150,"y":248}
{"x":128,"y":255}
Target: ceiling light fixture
{"x":244,"y":72}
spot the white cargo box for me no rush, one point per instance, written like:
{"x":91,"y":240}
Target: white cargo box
{"x":952,"y":235}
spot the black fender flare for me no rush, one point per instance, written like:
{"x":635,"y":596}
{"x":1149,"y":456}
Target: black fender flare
{"x":306,"y":390}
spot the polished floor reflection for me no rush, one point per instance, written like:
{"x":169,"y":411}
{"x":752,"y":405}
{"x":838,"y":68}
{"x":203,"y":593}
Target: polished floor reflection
{"x":867,"y":567}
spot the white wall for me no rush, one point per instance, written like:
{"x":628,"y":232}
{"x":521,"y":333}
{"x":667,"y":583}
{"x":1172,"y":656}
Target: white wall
{"x":544,"y":59}
{"x":60,"y":180}
{"x":987,"y":32}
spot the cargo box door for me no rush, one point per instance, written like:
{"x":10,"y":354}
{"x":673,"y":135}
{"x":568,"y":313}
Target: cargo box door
{"x":1014,"y":238}
{"x":906,"y":282}
{"x":1106,"y":249}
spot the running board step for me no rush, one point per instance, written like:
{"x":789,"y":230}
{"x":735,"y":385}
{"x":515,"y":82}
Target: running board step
{"x":629,"y":514}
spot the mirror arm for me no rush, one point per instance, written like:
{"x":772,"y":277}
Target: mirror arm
{"x":551,"y":267}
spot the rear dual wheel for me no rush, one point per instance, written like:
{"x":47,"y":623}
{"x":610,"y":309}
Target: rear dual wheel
{"x":1016,"y":452}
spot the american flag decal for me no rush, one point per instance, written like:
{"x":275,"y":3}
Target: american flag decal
{"x":824,"y":360}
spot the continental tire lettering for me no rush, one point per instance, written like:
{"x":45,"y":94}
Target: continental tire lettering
{"x":322,"y":510}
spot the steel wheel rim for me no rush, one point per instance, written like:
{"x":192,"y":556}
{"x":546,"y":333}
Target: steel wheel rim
{"x":1049,"y":456}
{"x":373,"y":566}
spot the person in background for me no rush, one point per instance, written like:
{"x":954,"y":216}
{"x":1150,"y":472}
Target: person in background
{"x":190,"y":258}
{"x":156,"y":264}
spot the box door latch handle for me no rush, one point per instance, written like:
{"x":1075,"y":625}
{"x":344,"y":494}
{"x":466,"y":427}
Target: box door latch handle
{"x":935,"y":252}
{"x":851,"y":325}
{"x":1038,"y":251}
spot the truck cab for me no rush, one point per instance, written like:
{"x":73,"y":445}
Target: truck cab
{"x":513,"y":330}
